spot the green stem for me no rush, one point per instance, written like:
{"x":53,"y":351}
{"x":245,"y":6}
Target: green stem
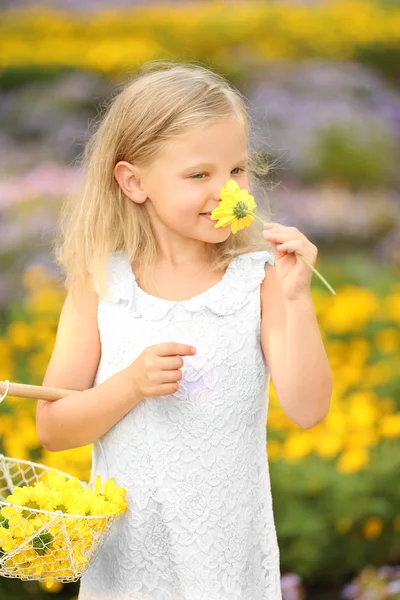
{"x":330,"y":288}
{"x":249,"y":212}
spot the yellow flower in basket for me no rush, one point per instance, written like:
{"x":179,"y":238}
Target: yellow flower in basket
{"x":50,"y":530}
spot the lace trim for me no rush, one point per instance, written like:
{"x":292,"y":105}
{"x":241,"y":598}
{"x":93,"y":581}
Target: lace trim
{"x":224,"y":298}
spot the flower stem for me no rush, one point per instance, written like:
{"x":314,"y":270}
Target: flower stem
{"x":249,"y":212}
{"x":330,"y":288}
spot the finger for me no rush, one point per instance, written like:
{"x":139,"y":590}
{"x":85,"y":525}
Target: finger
{"x":174,"y":348}
{"x":290,"y":246}
{"x":280,"y":235}
{"x":170,"y":376}
{"x":271,"y":225}
{"x":165,"y":389}
{"x":170,"y":362}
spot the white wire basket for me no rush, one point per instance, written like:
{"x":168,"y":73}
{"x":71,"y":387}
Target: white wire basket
{"x":44,"y":545}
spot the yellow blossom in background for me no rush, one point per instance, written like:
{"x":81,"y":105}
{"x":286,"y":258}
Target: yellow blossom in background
{"x":372,"y":528}
{"x":353,"y":460}
{"x":7,"y":368}
{"x":20,"y":335}
{"x":327,"y":446}
{"x":389,"y":426}
{"x":361,"y":439}
{"x":350,"y":374}
{"x":120,"y":40}
{"x":358,"y":350}
{"x":381,"y":372}
{"x":392,"y":306}
{"x":45,"y":300}
{"x":388,"y":340}
{"x":362,"y":410}
{"x":75,"y":462}
{"x":297,"y":446}
{"x":274,"y":449}
{"x":351,"y":310}
{"x":54,"y":588}
{"x":387,"y":406}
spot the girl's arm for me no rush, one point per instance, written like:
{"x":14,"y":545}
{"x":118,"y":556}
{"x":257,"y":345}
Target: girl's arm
{"x":79,"y":419}
{"x":295,"y":354}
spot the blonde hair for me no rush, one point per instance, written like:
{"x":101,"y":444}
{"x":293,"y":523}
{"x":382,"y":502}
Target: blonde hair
{"x":164,"y":99}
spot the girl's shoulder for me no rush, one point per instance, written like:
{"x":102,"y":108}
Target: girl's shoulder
{"x":246,"y":272}
{"x":252,"y":264}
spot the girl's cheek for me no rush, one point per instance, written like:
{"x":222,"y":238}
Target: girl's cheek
{"x":192,"y":205}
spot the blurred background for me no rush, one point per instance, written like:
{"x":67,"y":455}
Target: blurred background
{"x":322,"y":81}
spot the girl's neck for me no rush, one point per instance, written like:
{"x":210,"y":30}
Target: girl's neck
{"x":179,"y":284}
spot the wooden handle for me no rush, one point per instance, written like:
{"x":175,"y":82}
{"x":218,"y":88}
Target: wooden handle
{"x":38,"y":392}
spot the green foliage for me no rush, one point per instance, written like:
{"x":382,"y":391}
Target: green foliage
{"x":13,"y":78}
{"x":311,"y":498}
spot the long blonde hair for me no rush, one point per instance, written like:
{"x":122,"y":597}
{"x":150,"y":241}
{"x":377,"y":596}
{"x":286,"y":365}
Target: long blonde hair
{"x":161,"y":102}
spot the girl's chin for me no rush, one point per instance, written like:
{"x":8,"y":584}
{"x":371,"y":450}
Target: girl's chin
{"x":219,"y":234}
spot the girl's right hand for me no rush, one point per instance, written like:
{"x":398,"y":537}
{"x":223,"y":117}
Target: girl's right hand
{"x":157,"y":370}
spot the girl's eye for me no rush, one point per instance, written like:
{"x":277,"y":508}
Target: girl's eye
{"x":197,"y":175}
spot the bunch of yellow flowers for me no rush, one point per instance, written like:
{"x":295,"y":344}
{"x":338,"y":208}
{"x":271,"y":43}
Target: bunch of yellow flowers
{"x":38,"y":538}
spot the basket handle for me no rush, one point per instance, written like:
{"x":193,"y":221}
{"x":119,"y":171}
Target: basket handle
{"x":39,"y":392}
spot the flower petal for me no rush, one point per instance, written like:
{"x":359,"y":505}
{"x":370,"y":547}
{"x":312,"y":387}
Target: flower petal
{"x":226,"y":221}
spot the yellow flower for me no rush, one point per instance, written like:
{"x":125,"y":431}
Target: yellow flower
{"x":54,"y":480}
{"x":54,"y":586}
{"x":390,"y":426}
{"x":234,"y":207}
{"x":353,"y":460}
{"x":48,"y":553}
{"x":372,"y":528}
{"x":18,"y":524}
{"x":38,"y":497}
{"x":7,"y":542}
{"x":297,"y":446}
{"x":113,"y":495}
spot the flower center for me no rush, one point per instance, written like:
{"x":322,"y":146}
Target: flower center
{"x":240,"y":210}
{"x":42,"y":542}
{"x":31,"y":504}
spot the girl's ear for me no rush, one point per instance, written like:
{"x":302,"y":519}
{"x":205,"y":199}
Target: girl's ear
{"x":129,"y":180}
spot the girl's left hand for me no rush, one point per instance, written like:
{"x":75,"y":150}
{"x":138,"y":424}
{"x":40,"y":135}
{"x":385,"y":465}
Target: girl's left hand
{"x":293,"y":274}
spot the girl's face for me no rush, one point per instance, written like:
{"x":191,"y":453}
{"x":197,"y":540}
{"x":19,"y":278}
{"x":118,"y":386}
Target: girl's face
{"x":181,"y":187}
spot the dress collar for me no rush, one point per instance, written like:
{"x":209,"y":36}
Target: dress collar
{"x":244,"y":273}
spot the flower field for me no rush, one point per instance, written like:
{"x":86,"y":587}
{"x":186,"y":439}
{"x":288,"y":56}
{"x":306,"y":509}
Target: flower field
{"x":325,"y":84}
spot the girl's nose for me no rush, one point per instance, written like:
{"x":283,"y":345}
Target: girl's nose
{"x":220,"y":185}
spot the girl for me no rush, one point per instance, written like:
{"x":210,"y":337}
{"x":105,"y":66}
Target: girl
{"x":172,"y":328}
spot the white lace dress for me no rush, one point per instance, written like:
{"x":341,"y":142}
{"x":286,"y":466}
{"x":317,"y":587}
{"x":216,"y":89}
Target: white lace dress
{"x":199,"y":524}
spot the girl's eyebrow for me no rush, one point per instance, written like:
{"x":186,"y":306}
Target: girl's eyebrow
{"x":207,"y":164}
